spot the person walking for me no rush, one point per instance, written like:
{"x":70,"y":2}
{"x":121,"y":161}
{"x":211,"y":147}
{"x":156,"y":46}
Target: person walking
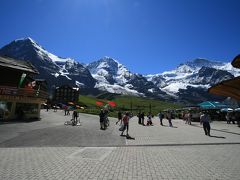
{"x":238,"y":118}
{"x":142,"y":118}
{"x":65,"y":110}
{"x":106,"y":120}
{"x":233,"y":117}
{"x":68,"y":110}
{"x":55,"y":108}
{"x":205,"y":121}
{"x":125,"y":124}
{"x":102,"y":116}
{"x":185,"y":117}
{"x":160,"y":115}
{"x":228,"y":117}
{"x":75,"y":117}
{"x":169,"y":117}
{"x":189,"y":118}
{"x":139,"y":118}
{"x":119,"y":116}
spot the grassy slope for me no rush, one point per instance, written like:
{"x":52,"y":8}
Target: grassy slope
{"x":125,"y":103}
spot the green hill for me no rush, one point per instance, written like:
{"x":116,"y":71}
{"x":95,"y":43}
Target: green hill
{"x":124,"y":103}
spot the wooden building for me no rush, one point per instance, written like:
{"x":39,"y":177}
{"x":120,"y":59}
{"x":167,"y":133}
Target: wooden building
{"x":21,"y":95}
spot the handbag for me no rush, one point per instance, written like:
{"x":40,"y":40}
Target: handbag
{"x":122,"y":128}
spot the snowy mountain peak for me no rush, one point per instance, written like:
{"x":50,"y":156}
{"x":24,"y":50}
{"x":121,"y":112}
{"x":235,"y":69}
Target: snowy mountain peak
{"x":30,"y":45}
{"x":53,"y":68}
{"x":26,"y":39}
{"x":107,"y":66}
{"x":107,"y":62}
{"x":187,"y":81}
{"x":29,"y":42}
{"x":109,"y":59}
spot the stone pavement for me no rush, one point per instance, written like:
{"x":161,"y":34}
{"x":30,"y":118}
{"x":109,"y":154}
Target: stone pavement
{"x":157,"y":152}
{"x":182,"y":133}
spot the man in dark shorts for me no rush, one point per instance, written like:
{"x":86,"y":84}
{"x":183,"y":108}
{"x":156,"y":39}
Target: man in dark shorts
{"x":205,"y":121}
{"x":125,"y":123}
{"x":102,"y":117}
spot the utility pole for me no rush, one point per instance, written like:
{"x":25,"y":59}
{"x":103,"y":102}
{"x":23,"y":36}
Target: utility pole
{"x":150,"y":108}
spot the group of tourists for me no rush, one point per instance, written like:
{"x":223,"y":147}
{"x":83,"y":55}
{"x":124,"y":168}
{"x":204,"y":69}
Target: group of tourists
{"x":187,"y":117}
{"x":141,"y":118}
{"x":204,"y":120}
{"x":233,"y":117}
{"x":169,"y":117}
{"x":123,"y":119}
{"x":161,"y":116}
{"x":66,"y":110}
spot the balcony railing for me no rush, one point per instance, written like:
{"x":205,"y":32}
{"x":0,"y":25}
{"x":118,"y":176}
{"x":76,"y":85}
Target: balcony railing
{"x":25,"y":92}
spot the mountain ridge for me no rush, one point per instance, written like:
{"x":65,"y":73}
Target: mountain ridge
{"x":108,"y":74}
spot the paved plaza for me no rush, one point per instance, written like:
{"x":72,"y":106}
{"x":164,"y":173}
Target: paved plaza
{"x":48,"y":149}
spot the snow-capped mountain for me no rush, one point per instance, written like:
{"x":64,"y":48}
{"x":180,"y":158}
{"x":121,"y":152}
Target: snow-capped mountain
{"x":114,"y":77}
{"x":56,"y":70}
{"x":188,"y":82}
{"x":197,"y":75}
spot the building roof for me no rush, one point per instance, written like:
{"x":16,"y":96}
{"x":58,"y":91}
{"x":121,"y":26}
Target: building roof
{"x":229,"y":88}
{"x":236,"y":62}
{"x":17,"y":64}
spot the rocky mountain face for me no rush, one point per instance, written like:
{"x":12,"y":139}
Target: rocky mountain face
{"x":114,"y":77}
{"x":187,"y":83}
{"x":190,"y":81}
{"x":56,"y":70}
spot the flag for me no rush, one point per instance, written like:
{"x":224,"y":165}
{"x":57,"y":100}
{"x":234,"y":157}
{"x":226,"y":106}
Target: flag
{"x":33,"y":83}
{"x":22,"y":79}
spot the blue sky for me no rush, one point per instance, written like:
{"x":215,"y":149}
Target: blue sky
{"x":148,"y":36}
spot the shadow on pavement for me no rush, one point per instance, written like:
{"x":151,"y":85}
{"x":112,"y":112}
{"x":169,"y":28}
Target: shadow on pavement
{"x":220,"y":130}
{"x":218,"y":137}
{"x":17,"y":121}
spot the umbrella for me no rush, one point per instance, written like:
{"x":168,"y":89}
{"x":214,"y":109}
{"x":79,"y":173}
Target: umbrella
{"x":99,"y":103}
{"x":226,"y":110}
{"x":211,"y":105}
{"x":111,"y":103}
{"x":71,"y":103}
